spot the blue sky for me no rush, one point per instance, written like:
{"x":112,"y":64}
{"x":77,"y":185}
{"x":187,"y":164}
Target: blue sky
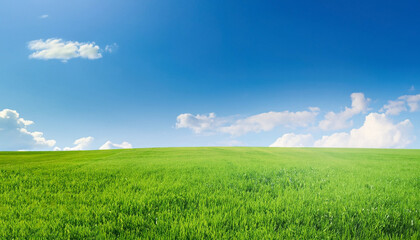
{"x":236,"y":59}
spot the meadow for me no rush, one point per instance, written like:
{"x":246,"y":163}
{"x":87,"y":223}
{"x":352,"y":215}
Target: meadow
{"x":211,"y":193}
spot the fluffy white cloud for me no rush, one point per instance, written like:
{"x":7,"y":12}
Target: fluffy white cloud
{"x":334,"y":121}
{"x":80,"y":144}
{"x":377,"y":132}
{"x":55,"y":48}
{"x":268,"y":121}
{"x":198,"y":123}
{"x":14,"y":134}
{"x":256,"y":123}
{"x":110,"y":145}
{"x":294,"y":140}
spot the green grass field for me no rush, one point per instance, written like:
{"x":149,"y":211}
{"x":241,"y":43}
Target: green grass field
{"x":211,"y":193}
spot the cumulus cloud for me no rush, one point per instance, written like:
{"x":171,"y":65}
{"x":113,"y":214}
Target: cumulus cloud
{"x":256,"y":123}
{"x":334,"y":121}
{"x":110,"y":145}
{"x":294,"y":140}
{"x":378,"y":131}
{"x":80,"y":144}
{"x":56,"y":48}
{"x":14,"y":134}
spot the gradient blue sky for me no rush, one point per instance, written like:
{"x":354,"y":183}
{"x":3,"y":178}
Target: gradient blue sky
{"x":233,"y":58}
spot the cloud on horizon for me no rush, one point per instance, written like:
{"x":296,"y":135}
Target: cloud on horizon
{"x":85,"y":143}
{"x":294,"y":140}
{"x":14,"y":134}
{"x":110,"y":145}
{"x":377,"y":131}
{"x":80,"y":144}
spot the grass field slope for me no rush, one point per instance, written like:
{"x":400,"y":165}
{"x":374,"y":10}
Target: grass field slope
{"x":211,"y":193}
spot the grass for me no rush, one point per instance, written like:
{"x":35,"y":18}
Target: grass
{"x":211,"y":193}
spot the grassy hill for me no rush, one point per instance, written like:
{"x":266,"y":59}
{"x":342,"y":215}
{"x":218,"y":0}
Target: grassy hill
{"x":211,"y":193}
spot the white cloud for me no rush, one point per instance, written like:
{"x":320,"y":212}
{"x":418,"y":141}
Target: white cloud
{"x":256,"y":123}
{"x":43,"y":16}
{"x":14,"y":134}
{"x":294,"y":140}
{"x":412,"y":101}
{"x":110,"y":145}
{"x":111,"y":48}
{"x":400,"y":105}
{"x":394,"y":107}
{"x":268,"y":121}
{"x":89,"y":51}
{"x":377,"y":132}
{"x":81,"y":144}
{"x":55,"y":48}
{"x":334,"y":121}
{"x":198,"y":123}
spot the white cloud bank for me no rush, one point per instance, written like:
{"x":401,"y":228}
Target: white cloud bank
{"x":256,"y":123}
{"x":294,"y":140}
{"x":378,"y":131}
{"x":56,"y":48}
{"x":335,"y":121}
{"x":85,"y":143}
{"x":80,"y":144}
{"x":110,"y":145}
{"x":14,"y":134}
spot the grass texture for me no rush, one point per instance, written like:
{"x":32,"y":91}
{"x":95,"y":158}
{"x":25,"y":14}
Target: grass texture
{"x":211,"y":193}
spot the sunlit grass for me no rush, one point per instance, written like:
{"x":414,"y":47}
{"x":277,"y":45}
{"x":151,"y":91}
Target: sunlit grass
{"x":211,"y":193}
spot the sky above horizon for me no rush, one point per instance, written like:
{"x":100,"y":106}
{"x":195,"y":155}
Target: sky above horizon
{"x":80,"y":75}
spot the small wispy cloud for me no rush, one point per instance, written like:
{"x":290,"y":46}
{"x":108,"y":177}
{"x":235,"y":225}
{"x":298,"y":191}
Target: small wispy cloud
{"x":111,"y":48}
{"x":44,"y":16}
{"x":396,"y":107}
{"x":412,"y":88}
